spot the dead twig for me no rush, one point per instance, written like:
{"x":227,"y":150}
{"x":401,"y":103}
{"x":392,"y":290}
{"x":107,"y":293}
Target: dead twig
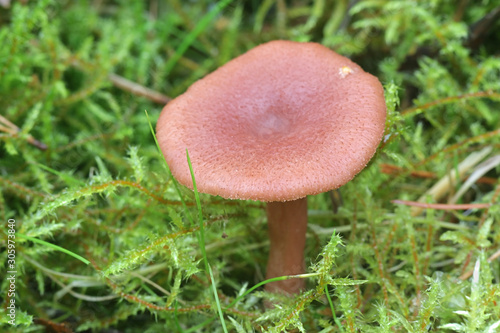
{"x":13,"y":130}
{"x":396,"y":171}
{"x":137,"y":89}
{"x":441,"y":206}
{"x":451,"y":99}
{"x":468,"y":274}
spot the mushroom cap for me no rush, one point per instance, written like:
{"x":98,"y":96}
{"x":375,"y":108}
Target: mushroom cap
{"x":282,"y":121}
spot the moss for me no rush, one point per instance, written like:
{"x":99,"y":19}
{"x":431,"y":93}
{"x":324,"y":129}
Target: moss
{"x":79,"y":169}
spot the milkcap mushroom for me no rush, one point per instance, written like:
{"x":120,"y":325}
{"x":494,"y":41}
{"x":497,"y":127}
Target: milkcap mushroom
{"x":280,"y":122}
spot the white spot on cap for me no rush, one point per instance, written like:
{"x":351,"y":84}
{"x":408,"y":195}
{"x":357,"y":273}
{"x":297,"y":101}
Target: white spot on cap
{"x":344,"y":71}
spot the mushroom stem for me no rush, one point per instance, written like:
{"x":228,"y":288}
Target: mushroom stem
{"x":287,"y":224}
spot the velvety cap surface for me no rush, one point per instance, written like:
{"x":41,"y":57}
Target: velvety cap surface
{"x":280,"y":122}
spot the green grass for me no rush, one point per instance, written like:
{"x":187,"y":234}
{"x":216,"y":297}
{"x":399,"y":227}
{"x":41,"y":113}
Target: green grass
{"x":82,"y":177}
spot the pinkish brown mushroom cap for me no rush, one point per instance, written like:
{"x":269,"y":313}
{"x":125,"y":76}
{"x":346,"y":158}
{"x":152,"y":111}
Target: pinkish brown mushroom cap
{"x":282,"y":121}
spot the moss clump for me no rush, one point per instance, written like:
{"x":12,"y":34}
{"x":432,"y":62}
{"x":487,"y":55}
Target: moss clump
{"x":79,"y":169}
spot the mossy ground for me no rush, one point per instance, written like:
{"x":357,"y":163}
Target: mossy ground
{"x":79,"y":169}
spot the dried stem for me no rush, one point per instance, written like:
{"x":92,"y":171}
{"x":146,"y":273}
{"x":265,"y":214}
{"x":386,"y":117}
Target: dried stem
{"x":13,"y":130}
{"x":137,"y":89}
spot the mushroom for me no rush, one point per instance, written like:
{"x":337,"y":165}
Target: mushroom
{"x":280,"y":122}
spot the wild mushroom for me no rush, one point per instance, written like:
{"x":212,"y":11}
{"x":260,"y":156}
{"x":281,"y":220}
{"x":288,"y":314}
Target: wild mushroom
{"x":280,"y":122}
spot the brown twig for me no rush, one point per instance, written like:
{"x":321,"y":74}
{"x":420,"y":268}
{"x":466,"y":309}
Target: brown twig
{"x":451,"y":99}
{"x":395,"y":170}
{"x":460,"y":144}
{"x":13,"y":130}
{"x":441,"y":206}
{"x":480,"y":29}
{"x":137,"y":89}
{"x":119,"y":82}
{"x":468,"y":274}
{"x":25,"y":191}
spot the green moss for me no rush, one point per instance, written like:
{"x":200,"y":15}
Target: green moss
{"x":101,"y":189}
